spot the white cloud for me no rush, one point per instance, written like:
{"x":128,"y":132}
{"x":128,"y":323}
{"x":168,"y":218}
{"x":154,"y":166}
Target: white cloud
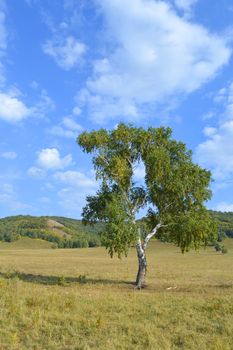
{"x":70,"y":124}
{"x":156,"y":56}
{"x":223,"y":206}
{"x":208,"y":115}
{"x":216,"y":152}
{"x":210,"y":131}
{"x":76,"y":179}
{"x":8,"y":198}
{"x":79,"y":185}
{"x":49,"y":158}
{"x":68,"y":128}
{"x":67,"y":52}
{"x":44,"y":106}
{"x":185,"y":4}
{"x":36,"y":173}
{"x":73,"y":200}
{"x":76,"y":111}
{"x":34,"y":85}
{"x":9,"y":155}
{"x":60,"y":131}
{"x":12,"y":109}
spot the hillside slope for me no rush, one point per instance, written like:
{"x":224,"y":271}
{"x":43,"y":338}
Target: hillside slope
{"x":225,"y":220}
{"x":24,"y":243}
{"x":71,"y":233}
{"x":63,"y":232}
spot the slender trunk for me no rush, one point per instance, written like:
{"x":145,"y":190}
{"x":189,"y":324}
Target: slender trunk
{"x":141,"y":275}
{"x":141,"y":252}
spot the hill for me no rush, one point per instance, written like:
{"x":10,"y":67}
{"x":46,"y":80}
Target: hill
{"x":62,"y":232}
{"x":26,"y":243}
{"x":225,"y":222}
{"x":71,"y":233}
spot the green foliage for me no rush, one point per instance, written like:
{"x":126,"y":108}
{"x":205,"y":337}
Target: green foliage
{"x":225,"y":224}
{"x":224,"y":250}
{"x":82,"y":279}
{"x":218,"y":247}
{"x":61,"y":281}
{"x":71,"y":234}
{"x":175,"y":188}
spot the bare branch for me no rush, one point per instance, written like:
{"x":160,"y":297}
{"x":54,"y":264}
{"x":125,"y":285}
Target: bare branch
{"x":152,"y":234}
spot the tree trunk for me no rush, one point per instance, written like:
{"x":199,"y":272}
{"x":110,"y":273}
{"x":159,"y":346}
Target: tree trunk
{"x":141,"y":275}
{"x":141,"y":252}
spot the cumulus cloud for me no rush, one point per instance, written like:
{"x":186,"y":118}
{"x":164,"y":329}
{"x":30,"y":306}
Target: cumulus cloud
{"x":49,"y":158}
{"x":67,"y":52}
{"x":155,"y":55}
{"x":9,"y":155}
{"x":12,"y":109}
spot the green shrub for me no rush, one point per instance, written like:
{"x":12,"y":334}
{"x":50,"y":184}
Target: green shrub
{"x":61,"y":281}
{"x":217,"y":247}
{"x":224,"y":250}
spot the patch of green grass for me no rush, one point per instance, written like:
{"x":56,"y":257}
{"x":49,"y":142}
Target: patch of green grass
{"x":82,"y":299}
{"x":26,"y":243}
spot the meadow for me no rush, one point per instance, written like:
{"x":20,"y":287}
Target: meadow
{"x":82,"y":299}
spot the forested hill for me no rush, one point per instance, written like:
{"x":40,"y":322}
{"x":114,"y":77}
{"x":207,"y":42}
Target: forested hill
{"x":225,"y":221}
{"x":63,"y":232}
{"x":71,"y":233}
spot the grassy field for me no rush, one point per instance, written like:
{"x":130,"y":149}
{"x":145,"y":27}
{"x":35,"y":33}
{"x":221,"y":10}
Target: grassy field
{"x":81,"y":299}
{"x":26,"y":243}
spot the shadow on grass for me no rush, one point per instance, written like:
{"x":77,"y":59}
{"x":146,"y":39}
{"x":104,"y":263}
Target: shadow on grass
{"x":60,"y":280}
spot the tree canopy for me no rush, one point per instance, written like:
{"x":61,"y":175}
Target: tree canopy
{"x":174,"y":190}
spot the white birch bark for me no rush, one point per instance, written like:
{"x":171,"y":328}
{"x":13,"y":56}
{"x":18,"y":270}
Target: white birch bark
{"x":141,"y":253}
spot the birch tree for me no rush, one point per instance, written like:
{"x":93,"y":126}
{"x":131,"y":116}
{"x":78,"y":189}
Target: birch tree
{"x":173,"y":192}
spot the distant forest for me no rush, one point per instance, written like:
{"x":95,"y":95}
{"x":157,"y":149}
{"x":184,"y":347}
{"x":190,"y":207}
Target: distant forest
{"x":71,"y":233}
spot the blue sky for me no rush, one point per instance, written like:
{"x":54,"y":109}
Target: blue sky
{"x":68,"y":66}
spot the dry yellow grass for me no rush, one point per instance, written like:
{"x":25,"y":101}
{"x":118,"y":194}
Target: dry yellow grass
{"x":46,"y":303}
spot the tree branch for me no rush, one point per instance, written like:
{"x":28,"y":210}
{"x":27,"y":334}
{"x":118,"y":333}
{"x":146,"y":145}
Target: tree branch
{"x":152,"y":234}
